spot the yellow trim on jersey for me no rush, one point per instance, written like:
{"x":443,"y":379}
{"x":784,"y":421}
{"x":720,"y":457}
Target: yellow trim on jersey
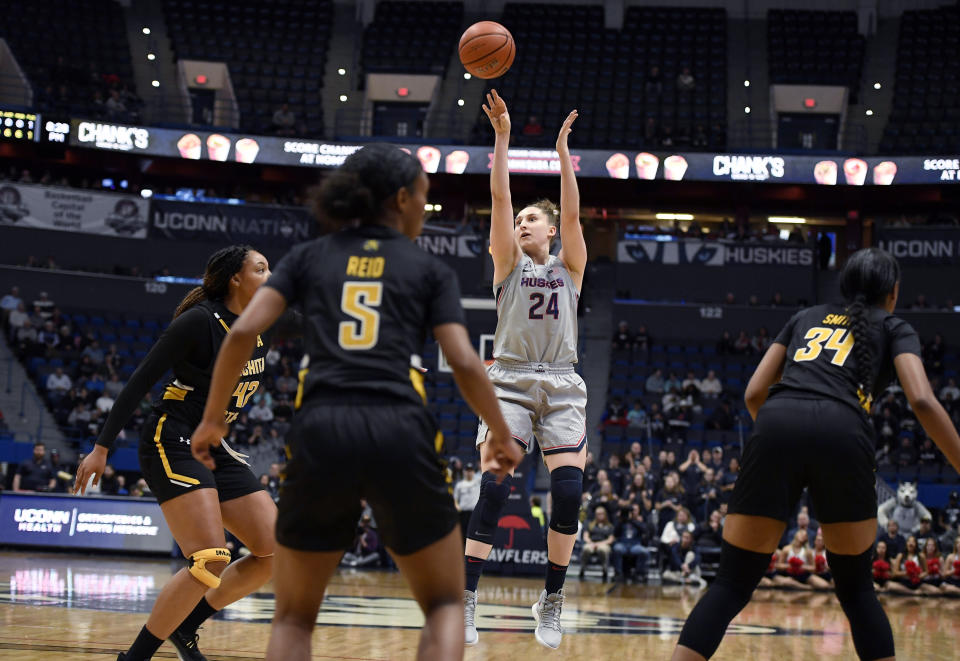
{"x":175,"y":393}
{"x":416,"y":378}
{"x":227,"y":328}
{"x":163,"y":456}
{"x":438,"y":442}
{"x":301,"y":376}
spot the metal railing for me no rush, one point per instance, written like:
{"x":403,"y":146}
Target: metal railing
{"x":440,"y":127}
{"x":31,"y":405}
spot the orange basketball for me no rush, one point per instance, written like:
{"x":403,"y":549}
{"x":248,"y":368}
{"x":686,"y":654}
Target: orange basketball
{"x":487,"y":49}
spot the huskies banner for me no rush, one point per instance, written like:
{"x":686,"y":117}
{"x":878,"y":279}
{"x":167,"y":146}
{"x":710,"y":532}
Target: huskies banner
{"x":713,"y":253}
{"x":253,"y":224}
{"x":921,"y":245}
{"x":73,"y":210}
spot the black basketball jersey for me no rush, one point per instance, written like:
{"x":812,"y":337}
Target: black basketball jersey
{"x":189,"y":347}
{"x":369,"y":295}
{"x":820,"y":357}
{"x":186,"y":395}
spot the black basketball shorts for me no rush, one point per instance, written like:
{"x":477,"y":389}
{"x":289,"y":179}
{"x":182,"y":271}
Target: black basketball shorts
{"x":170,"y":469}
{"x":383,"y":452}
{"x":821,"y":444}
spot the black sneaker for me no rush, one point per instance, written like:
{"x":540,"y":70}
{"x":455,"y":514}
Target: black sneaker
{"x":186,"y":645}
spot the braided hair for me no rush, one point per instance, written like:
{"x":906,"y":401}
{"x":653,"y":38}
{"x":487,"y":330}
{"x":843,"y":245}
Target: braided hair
{"x":866,"y":281}
{"x":222,"y":265}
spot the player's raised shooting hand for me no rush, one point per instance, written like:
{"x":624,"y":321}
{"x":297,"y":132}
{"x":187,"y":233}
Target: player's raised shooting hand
{"x":496,"y":109}
{"x":565,"y":130}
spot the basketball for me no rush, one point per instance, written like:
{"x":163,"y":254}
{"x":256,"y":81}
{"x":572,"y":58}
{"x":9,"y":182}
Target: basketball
{"x":487,"y":49}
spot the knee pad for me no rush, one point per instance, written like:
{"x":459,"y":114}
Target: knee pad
{"x":197,"y":565}
{"x":486,"y":514}
{"x":740,"y":570}
{"x":566,"y":487}
{"x":869,"y":626}
{"x":739,"y":573}
{"x":851,"y":574}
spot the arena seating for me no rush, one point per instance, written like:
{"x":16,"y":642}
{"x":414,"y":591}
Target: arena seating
{"x":815,"y":47}
{"x":411,"y":37}
{"x":569,"y":60}
{"x":925,"y":114}
{"x":90,"y":36}
{"x":276,"y":53}
{"x":630,"y":369}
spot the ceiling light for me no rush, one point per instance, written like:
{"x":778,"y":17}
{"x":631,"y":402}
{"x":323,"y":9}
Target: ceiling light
{"x":786,"y":219}
{"x":674,"y":216}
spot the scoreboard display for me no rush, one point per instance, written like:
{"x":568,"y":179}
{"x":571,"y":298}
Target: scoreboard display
{"x":18,"y":126}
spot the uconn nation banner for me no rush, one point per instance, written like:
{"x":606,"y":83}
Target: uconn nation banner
{"x":713,"y":253}
{"x":72,"y":210}
{"x":234,"y":223}
{"x":922,"y":246}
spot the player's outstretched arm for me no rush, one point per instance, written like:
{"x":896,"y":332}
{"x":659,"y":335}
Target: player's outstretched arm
{"x":175,"y":344}
{"x":768,"y":372}
{"x":263,"y":310}
{"x":925,"y":406}
{"x":573,"y":254}
{"x":503,"y":241}
{"x":476,"y":388}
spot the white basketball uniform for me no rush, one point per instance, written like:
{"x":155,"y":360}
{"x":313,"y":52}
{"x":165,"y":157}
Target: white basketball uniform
{"x":535,"y":349}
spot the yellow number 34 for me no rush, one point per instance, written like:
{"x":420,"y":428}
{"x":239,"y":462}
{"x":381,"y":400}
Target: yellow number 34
{"x":359,"y":300}
{"x":839,"y":340}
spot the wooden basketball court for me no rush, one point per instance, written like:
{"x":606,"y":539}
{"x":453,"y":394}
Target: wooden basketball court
{"x":89,"y":608}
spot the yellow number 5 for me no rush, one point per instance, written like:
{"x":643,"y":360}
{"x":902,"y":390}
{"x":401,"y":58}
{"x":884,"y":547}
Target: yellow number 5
{"x":359,"y":300}
{"x":840,"y":341}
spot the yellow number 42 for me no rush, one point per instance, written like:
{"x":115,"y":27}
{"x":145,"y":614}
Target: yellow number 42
{"x":839,"y":340}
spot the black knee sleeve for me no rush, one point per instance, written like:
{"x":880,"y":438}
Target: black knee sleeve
{"x":737,"y":577}
{"x":869,"y":626}
{"x":493,"y":496}
{"x":566,"y":488}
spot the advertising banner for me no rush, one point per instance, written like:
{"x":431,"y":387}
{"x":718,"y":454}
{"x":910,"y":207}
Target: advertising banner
{"x":713,"y":253}
{"x":76,"y":522}
{"x":921,"y":246}
{"x":466,"y":254}
{"x":453,"y":159}
{"x":246,"y":223}
{"x":73,"y":210}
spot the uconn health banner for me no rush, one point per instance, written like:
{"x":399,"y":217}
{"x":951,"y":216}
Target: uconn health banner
{"x":234,"y":223}
{"x":625,"y":163}
{"x":76,"y":522}
{"x":713,"y":253}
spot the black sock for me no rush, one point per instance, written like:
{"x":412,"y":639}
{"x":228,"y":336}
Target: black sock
{"x":193,"y":621}
{"x":473,"y":567}
{"x":144,"y":647}
{"x":556,"y":575}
